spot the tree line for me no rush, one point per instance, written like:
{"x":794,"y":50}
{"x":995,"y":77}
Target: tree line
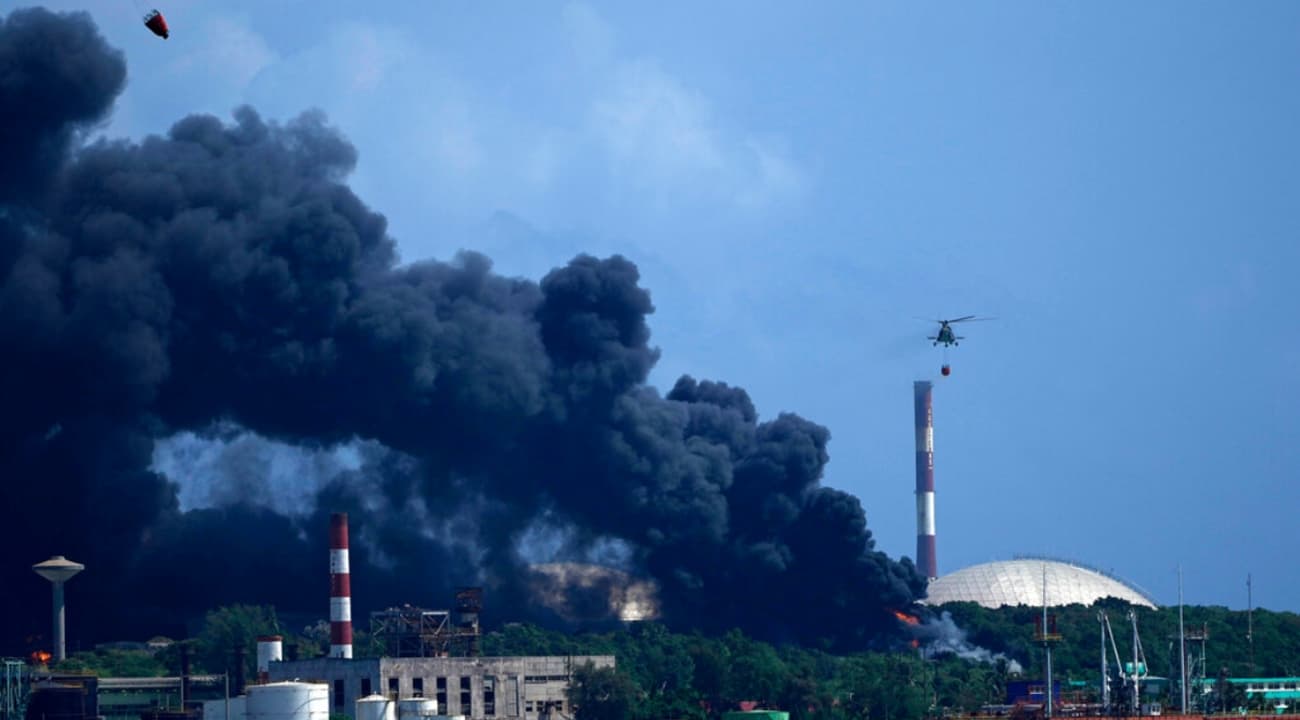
{"x":665,"y":674}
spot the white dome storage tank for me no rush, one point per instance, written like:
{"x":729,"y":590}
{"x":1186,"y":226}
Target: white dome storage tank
{"x":417,"y":709}
{"x":376,"y":707}
{"x":288,"y":701}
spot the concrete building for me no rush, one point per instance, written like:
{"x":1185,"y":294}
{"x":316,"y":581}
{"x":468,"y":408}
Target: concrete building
{"x":476,"y":687}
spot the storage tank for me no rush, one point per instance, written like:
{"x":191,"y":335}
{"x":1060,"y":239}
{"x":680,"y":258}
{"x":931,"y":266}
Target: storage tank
{"x":216,"y":709}
{"x":376,"y":707}
{"x":288,"y":701}
{"x":417,"y":709}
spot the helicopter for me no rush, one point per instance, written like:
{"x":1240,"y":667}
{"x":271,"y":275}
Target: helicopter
{"x":946,"y":335}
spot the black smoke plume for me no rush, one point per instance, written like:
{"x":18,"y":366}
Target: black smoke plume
{"x":223,"y":279}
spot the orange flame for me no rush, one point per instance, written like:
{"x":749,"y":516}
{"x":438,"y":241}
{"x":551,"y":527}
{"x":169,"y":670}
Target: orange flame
{"x":40,"y":657}
{"x":909,"y":619}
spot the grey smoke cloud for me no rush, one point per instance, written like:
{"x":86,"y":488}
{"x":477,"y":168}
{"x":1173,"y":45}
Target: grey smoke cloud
{"x":941,"y":635}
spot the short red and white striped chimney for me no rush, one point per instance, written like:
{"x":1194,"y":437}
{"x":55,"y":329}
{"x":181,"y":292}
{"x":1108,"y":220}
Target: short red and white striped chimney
{"x":340,"y":589}
{"x":270,"y":648}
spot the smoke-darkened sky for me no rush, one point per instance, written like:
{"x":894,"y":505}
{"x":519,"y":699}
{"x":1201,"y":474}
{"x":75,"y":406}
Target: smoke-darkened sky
{"x":794,"y":186}
{"x":222,"y":280}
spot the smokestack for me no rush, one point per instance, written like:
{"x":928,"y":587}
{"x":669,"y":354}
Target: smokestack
{"x":925,"y":560}
{"x":58,"y":570}
{"x":340,"y":589}
{"x":270,"y":648}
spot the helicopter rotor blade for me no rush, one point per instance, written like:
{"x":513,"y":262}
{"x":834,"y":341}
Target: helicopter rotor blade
{"x":971,"y":318}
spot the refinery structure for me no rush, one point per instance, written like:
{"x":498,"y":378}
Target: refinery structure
{"x":431,"y":667}
{"x":431,"y":664}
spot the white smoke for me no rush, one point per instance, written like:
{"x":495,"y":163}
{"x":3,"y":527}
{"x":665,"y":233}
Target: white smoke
{"x":941,"y":636}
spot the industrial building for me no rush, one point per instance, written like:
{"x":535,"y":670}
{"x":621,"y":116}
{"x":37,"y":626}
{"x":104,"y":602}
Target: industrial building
{"x":478,"y":687}
{"x":430,"y":656}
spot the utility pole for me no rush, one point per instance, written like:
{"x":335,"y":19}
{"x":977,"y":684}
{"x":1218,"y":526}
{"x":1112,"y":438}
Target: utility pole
{"x":1250,"y":624}
{"x":1182,"y":644}
{"x":1046,"y":635}
{"x":1137,"y":664}
{"x":1105,"y":672}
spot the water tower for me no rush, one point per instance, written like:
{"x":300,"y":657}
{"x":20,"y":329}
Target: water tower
{"x":58,"y":570}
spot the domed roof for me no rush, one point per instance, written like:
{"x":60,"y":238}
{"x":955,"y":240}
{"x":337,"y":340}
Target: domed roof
{"x":1020,"y":582}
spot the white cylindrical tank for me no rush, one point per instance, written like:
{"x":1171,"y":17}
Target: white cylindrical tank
{"x":270,"y":648}
{"x":288,"y":701}
{"x":376,"y":707}
{"x":417,"y":709}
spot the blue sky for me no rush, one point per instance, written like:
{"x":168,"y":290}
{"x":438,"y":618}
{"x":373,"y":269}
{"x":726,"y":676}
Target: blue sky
{"x":1116,"y":182}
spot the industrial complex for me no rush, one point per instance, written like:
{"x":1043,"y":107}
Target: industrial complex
{"x":431,"y":667}
{"x":430,"y":663}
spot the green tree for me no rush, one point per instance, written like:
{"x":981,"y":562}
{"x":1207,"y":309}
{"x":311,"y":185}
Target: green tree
{"x":602,"y":693}
{"x":115,"y":663}
{"x":229,"y":630}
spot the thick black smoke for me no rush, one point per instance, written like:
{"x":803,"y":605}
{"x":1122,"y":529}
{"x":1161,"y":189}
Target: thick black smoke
{"x":223,"y":276}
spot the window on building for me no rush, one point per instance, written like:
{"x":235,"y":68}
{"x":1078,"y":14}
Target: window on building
{"x":441,"y":686}
{"x":338,"y":693}
{"x":465,"y":706}
{"x":393,"y":687}
{"x":366,"y":689}
{"x":489,"y":695}
{"x":510,"y":694}
{"x":417,"y":687}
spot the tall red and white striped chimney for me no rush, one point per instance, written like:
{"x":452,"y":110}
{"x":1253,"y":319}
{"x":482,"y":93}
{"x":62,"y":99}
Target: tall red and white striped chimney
{"x":340,"y":589}
{"x":925,"y":560}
